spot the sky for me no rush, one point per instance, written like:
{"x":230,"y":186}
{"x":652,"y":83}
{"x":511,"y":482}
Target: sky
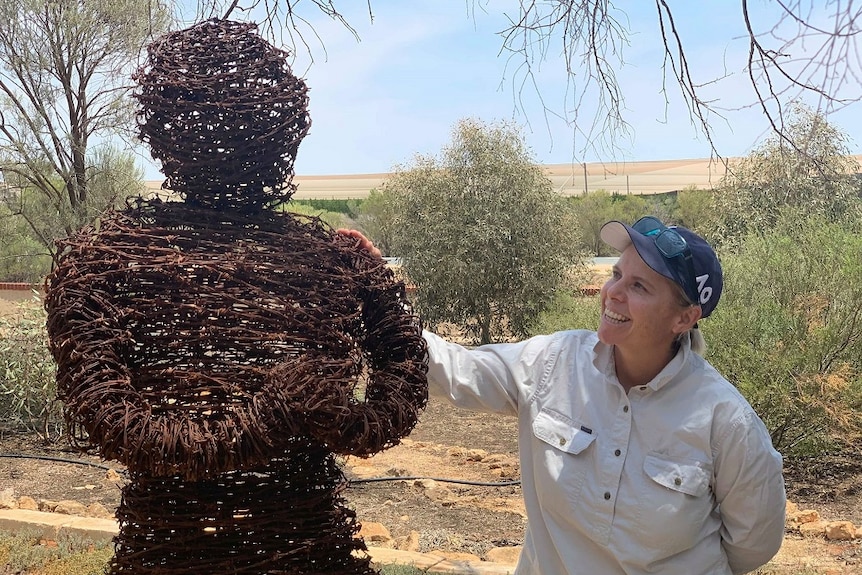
{"x":421,"y":66}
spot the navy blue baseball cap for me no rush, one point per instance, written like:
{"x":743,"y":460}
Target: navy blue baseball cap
{"x":675,"y":252}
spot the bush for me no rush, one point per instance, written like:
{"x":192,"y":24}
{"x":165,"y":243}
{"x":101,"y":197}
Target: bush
{"x":24,"y":552}
{"x":569,"y":311}
{"x":788,"y":332}
{"x":28,"y":387}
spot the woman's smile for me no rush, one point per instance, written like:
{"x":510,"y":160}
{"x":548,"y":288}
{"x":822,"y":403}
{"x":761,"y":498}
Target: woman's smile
{"x":615,"y":318}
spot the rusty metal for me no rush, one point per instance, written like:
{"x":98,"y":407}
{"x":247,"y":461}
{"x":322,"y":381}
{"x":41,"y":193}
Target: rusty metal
{"x":224,"y":350}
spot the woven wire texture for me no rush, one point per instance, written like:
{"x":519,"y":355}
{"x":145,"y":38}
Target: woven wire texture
{"x":223,"y":113}
{"x":270,"y":520}
{"x":224,"y":350}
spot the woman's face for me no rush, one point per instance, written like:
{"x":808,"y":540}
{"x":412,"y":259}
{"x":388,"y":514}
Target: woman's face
{"x":641,"y":309}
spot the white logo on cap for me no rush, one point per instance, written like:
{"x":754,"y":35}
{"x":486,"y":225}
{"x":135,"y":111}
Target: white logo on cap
{"x":702,"y":289}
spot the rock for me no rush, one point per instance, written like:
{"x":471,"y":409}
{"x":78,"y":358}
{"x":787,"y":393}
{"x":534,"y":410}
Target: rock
{"x":806,"y":516}
{"x":495,"y":458}
{"x":476,"y":454}
{"x":374,"y":532}
{"x":426,"y":484}
{"x":112,"y":475}
{"x":840,"y":531}
{"x":7,"y":499}
{"x":790,"y":508}
{"x":456,"y":452}
{"x":504,"y":555}
{"x":456,"y":556}
{"x":99,"y":511}
{"x":813,"y":529}
{"x":27,"y":503}
{"x":47,"y":505}
{"x":434,"y":491}
{"x":407,"y":542}
{"x":69,"y":507}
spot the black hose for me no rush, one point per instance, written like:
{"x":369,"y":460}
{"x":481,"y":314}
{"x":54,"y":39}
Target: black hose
{"x":350,"y":481}
{"x":441,"y":479}
{"x":59,"y":459}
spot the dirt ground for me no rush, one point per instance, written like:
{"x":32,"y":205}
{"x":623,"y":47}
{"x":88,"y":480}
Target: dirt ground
{"x":457,"y":511}
{"x":460,"y":446}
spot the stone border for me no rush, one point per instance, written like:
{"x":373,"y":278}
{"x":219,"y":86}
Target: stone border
{"x":51,"y":525}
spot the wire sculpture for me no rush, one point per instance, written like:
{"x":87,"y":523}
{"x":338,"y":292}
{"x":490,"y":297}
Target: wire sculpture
{"x":221,"y":349}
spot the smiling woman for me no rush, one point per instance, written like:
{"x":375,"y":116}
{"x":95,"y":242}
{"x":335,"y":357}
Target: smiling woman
{"x":636,"y":455}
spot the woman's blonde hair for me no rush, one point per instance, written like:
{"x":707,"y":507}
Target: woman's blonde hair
{"x":698,"y":343}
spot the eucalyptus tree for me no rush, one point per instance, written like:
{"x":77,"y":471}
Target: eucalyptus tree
{"x":810,"y":172}
{"x":481,"y":232}
{"x":65,"y":75}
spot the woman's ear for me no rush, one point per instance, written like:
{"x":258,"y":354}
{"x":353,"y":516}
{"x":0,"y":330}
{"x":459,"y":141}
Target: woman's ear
{"x":687,"y":318}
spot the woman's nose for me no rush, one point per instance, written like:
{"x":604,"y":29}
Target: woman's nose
{"x":612,"y":289}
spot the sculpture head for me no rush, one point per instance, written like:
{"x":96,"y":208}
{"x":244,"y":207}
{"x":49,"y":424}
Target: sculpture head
{"x":223,"y":113}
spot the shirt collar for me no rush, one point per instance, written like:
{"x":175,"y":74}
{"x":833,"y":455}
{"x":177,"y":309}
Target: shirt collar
{"x":603,"y":360}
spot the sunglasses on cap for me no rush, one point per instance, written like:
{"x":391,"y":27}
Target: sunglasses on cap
{"x":673,"y":248}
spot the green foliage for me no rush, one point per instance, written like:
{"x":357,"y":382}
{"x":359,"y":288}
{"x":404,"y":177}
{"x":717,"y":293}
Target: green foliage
{"x":22,"y":257}
{"x":694,"y":209}
{"x":569,"y":311}
{"x":812,"y":172}
{"x":788,"y":331}
{"x":481,"y":232}
{"x":334,"y":219}
{"x":64,"y":69}
{"x":346,"y":207}
{"x":21,"y":552}
{"x":375,"y":220}
{"x":593,"y":210}
{"x":28,"y":388}
{"x":111,"y":178}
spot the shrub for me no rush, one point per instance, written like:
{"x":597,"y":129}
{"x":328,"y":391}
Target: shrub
{"x":28,"y":388}
{"x":569,"y":311}
{"x":788,"y":332}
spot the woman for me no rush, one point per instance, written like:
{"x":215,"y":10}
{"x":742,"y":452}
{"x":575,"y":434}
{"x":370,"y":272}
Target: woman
{"x":636,"y":455}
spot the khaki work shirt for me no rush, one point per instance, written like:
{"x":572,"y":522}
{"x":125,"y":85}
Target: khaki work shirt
{"x":676,"y":477}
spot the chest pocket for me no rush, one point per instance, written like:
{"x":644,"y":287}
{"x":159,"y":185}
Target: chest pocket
{"x":679,"y":475}
{"x":561,"y":432}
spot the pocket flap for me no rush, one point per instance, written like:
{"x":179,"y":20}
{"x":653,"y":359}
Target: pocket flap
{"x":685,"y":476}
{"x":561,"y":432}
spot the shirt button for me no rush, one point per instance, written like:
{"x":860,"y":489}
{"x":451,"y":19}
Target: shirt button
{"x":607,"y":495}
{"x":562,"y":441}
{"x":625,"y":409}
{"x":617,"y":452}
{"x":677,"y":481}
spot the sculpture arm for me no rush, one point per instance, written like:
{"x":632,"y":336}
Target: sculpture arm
{"x":369,"y":402}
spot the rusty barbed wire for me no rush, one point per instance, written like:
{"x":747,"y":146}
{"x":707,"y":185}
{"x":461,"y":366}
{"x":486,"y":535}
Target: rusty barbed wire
{"x":223,"y":350}
{"x":223,"y":113}
{"x":267,"y":520}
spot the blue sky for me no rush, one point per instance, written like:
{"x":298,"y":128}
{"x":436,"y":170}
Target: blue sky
{"x":425,"y":64}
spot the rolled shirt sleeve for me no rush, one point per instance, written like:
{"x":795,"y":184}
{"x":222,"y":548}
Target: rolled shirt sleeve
{"x":492,"y":378}
{"x":749,"y":488}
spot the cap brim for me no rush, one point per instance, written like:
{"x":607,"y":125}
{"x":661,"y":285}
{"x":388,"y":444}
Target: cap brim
{"x":620,"y":236}
{"x":616,"y":235}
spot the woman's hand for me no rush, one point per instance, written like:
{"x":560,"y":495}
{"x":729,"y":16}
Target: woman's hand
{"x":364,"y":242}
